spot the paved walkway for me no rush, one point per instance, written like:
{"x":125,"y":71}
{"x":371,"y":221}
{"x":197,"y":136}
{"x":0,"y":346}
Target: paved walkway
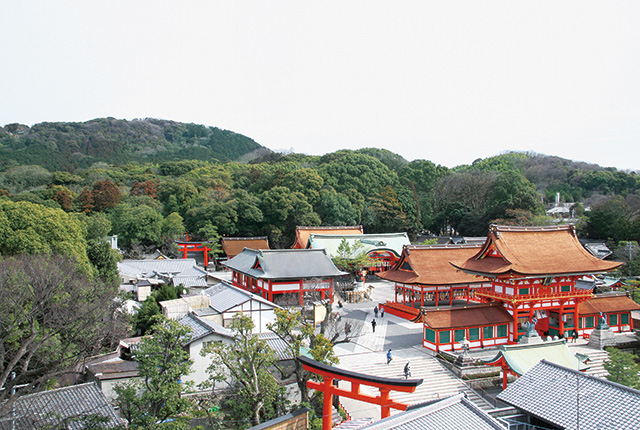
{"x":367,"y":354}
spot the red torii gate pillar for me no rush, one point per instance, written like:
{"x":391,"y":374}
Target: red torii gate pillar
{"x":330,"y":373}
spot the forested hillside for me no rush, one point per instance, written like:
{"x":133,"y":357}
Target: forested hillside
{"x":73,"y":145}
{"x":149,"y":181}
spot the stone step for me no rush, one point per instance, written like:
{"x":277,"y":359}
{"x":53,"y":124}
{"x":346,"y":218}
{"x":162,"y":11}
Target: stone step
{"x":438,"y":382}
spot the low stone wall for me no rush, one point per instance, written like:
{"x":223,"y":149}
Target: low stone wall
{"x":481,"y":375}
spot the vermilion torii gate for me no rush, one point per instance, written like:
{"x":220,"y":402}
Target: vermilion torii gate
{"x":330,"y":373}
{"x":185,"y":247}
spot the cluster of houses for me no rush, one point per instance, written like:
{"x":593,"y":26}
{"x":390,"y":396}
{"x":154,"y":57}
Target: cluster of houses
{"x":470,"y":293}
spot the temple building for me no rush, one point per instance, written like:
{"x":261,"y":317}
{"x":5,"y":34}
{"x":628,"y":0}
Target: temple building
{"x":527,"y":274}
{"x":384,"y":249}
{"x":424,"y":277}
{"x":533,"y":273}
{"x":285,"y":276}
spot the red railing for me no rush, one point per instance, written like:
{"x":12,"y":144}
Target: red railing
{"x":490,"y":293}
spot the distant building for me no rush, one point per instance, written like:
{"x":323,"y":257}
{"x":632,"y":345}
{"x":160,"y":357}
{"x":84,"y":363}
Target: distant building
{"x":150,"y":274}
{"x":303,"y":233}
{"x":233,"y":246}
{"x":384,"y":249}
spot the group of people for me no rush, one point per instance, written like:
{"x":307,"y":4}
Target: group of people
{"x":376,"y":311}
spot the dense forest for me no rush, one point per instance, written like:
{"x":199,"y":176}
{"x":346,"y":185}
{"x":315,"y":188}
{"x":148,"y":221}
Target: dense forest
{"x":151,"y":180}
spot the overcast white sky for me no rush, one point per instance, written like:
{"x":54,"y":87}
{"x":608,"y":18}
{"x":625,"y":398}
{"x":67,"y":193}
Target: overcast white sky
{"x":446,"y":81}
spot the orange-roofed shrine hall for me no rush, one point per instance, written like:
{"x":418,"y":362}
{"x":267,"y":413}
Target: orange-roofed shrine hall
{"x":526,"y":273}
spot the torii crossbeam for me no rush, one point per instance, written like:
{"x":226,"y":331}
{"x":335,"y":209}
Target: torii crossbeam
{"x":385,"y":385}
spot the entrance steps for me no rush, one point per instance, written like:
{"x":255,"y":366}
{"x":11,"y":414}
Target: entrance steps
{"x":437,"y":383}
{"x":597,"y":357}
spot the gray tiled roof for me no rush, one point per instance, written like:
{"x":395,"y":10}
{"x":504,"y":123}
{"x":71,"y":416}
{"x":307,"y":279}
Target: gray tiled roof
{"x":279,"y":346}
{"x":201,"y":327}
{"x":570,"y":399}
{"x":36,"y":411}
{"x":150,"y":267}
{"x":451,"y":413}
{"x":225,"y":296}
{"x":284,"y":264}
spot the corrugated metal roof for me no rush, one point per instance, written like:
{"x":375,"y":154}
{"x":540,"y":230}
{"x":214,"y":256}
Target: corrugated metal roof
{"x":284,"y":264}
{"x":570,"y":399}
{"x":451,"y":413}
{"x":48,"y":408}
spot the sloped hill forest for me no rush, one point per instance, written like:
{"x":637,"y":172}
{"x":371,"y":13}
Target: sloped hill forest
{"x":150,"y":180}
{"x":72,"y":145}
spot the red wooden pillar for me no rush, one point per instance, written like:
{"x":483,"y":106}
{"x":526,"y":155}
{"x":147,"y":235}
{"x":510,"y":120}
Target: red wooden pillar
{"x":436,"y":296}
{"x":468,"y":293}
{"x":505,"y":376}
{"x":385,"y":410}
{"x":301,"y":293}
{"x":451,"y":296}
{"x":561,"y":322}
{"x":515,"y":325}
{"x":327,"y":404}
{"x":576,"y":322}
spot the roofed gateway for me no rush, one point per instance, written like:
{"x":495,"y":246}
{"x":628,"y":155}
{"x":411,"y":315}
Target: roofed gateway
{"x":533,"y":272}
{"x":529,"y":272}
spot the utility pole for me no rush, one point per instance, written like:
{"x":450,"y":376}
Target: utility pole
{"x":629,"y":246}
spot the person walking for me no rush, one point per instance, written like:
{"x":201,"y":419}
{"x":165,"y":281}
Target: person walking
{"x":407,"y":370}
{"x":382,"y":313}
{"x":373,"y":325}
{"x":574,"y":337}
{"x":375,"y":311}
{"x":389,"y":358}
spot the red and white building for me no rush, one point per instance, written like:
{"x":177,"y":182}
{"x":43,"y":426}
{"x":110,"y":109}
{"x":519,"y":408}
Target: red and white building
{"x":285,"y":276}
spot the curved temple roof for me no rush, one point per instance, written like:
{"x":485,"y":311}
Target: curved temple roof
{"x":429,"y":265}
{"x":533,"y":251}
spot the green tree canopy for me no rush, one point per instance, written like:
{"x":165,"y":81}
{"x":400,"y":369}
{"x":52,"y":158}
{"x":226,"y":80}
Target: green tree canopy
{"x":162,"y":363}
{"x":27,"y":228}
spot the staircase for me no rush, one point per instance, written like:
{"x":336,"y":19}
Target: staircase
{"x":437,"y":383}
{"x":597,"y":357}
